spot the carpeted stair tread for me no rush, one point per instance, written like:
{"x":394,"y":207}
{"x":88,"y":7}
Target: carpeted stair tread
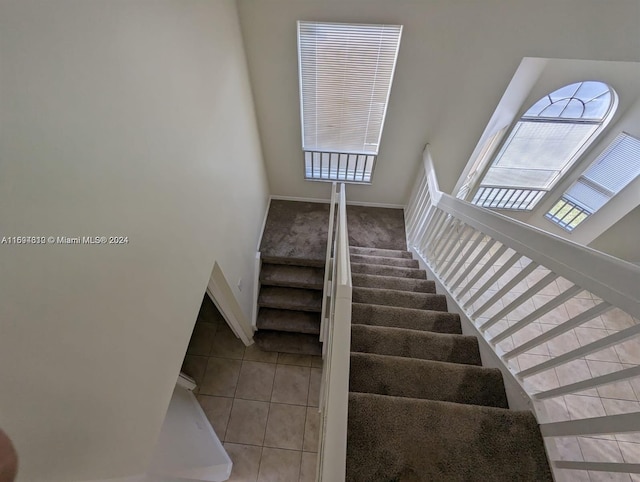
{"x":295,"y":233}
{"x":295,"y":343}
{"x":427,"y":379}
{"x":407,"y":439}
{"x":412,"y":319}
{"x":381,"y":260}
{"x":292,"y":276}
{"x":404,"y":299}
{"x":393,"y":283}
{"x":387,"y":253}
{"x":382,"y":270}
{"x":290,"y":298}
{"x":424,"y":345}
{"x":288,"y":320}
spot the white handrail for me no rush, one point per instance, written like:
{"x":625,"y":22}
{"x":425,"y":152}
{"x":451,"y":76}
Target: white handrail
{"x":332,"y":453}
{"x":616,"y":281}
{"x":461,"y":243}
{"x":327,"y":264}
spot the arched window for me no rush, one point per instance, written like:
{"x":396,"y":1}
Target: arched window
{"x":544,"y":144}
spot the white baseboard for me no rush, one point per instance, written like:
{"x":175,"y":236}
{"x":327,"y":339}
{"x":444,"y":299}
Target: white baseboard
{"x":299,"y":199}
{"x":327,"y":201}
{"x":375,"y":205}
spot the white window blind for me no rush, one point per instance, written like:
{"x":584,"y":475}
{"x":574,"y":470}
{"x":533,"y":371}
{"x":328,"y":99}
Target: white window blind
{"x":346,"y":72}
{"x":612,"y":171}
{"x":543,"y":145}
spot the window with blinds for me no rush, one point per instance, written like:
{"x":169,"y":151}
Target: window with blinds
{"x":612,"y":171}
{"x":543,"y":145}
{"x":346,"y":71}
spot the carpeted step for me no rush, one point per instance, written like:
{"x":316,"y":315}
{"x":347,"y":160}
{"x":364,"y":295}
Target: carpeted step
{"x":432,"y":380}
{"x":404,"y":299}
{"x":393,"y":283}
{"x":387,"y":253}
{"x":381,"y":260}
{"x":295,"y":261}
{"x":295,"y":343}
{"x":407,"y":439}
{"x":290,"y":298}
{"x":388,"y":271}
{"x":292,"y":276}
{"x":424,"y":345}
{"x":288,"y":320}
{"x":412,"y":319}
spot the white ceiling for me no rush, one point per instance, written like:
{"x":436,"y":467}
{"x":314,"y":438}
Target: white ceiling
{"x":456,"y":60}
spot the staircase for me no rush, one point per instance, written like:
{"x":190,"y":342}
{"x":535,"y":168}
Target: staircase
{"x":293,"y":253}
{"x":290,"y":302}
{"x":421,"y":405}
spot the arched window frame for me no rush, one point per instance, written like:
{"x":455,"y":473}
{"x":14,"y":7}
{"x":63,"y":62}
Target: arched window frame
{"x":522,"y":187}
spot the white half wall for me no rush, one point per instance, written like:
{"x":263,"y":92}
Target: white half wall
{"x":127,"y":118}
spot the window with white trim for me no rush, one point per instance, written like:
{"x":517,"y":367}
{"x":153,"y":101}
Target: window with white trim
{"x":543,"y":145}
{"x":612,"y":171}
{"x":346,"y":71}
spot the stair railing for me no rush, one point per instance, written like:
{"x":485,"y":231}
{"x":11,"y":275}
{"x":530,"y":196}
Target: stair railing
{"x":334,"y":398}
{"x":530,"y":295}
{"x":326,"y":290}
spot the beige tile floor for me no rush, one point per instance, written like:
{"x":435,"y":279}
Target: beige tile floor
{"x":616,"y":398}
{"x":263,"y":406}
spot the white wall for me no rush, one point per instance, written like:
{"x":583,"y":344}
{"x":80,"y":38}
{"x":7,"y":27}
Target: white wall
{"x":555,"y":73}
{"x":621,"y":240}
{"x":456,"y":60}
{"x":116,"y":118}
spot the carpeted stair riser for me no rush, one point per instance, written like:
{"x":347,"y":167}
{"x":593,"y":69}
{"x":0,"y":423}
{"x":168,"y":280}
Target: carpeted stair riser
{"x":290,"y":298}
{"x":291,"y":276}
{"x":415,"y":344}
{"x":412,"y":319}
{"x":313,"y":263}
{"x":407,"y":439}
{"x":295,"y":343}
{"x":288,"y":320}
{"x":380,"y":260}
{"x":388,"y":271}
{"x":404,"y":299}
{"x":386,"y":253}
{"x":393,"y":283}
{"x":408,"y":377}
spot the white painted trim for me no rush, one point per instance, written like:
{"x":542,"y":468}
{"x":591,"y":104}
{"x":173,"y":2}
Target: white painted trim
{"x":186,"y":382}
{"x":375,"y":205}
{"x":618,"y":467}
{"x":300,"y":199}
{"x":612,"y":377}
{"x":264,"y":223}
{"x":222,"y":296}
{"x":257,"y":267}
{"x":623,"y":423}
{"x":327,"y":201}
